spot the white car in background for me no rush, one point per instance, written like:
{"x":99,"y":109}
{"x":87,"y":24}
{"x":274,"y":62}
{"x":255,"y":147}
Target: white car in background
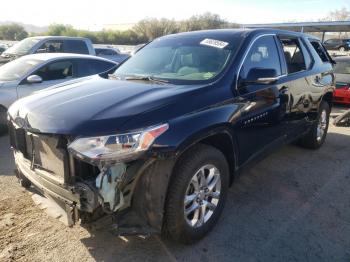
{"x":27,"y":74}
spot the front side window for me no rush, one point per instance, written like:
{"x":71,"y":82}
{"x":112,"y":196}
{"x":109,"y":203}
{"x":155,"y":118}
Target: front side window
{"x":330,"y":42}
{"x":186,"y":59}
{"x":51,"y":46}
{"x":18,"y":68}
{"x":23,"y":47}
{"x":293,"y":55}
{"x":262,"y":55}
{"x":56,"y":70}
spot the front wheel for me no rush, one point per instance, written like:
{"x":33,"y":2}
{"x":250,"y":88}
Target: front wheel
{"x":196,"y":195}
{"x":318,"y":131}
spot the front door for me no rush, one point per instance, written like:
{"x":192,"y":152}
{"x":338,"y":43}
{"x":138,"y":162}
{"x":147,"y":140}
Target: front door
{"x":51,"y":74}
{"x":262,"y":123}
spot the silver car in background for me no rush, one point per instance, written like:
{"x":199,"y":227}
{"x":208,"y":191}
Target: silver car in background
{"x":31,"y":73}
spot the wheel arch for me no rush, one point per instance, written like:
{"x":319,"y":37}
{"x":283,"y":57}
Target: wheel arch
{"x":220,"y":139}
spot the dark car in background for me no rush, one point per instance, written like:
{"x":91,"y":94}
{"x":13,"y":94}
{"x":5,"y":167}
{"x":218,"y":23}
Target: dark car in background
{"x":342,"y":76}
{"x":155,"y":146}
{"x":2,"y":48}
{"x":111,"y":54}
{"x":48,"y":44}
{"x":337,"y":44}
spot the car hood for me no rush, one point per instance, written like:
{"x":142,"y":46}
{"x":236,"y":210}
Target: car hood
{"x":93,"y":106}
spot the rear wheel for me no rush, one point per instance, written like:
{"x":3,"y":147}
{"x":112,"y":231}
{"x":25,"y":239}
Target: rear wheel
{"x":342,"y":49}
{"x":3,"y":120}
{"x":318,"y":132}
{"x":196,"y":194}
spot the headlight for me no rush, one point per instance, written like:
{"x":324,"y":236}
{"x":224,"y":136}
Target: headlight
{"x":116,"y":148}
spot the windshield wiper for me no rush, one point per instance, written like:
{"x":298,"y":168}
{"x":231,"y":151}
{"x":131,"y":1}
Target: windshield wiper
{"x":147,"y":78}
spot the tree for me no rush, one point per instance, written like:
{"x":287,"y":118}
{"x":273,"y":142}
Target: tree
{"x":12,"y":32}
{"x":152,"y":28}
{"x":342,"y":14}
{"x":60,"y":29}
{"x":205,"y":21}
{"x":145,"y":30}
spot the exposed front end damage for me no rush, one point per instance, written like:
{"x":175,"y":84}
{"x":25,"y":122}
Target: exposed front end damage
{"x":126,"y":196}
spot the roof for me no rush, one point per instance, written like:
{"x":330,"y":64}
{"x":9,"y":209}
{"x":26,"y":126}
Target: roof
{"x":228,"y":33}
{"x":52,"y":56}
{"x":331,"y":26}
{"x":59,"y":37}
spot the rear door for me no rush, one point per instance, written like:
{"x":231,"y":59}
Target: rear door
{"x":299,"y":84}
{"x":52,"y":73}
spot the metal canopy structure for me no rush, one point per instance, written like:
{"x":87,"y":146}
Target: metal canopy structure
{"x":307,"y":27}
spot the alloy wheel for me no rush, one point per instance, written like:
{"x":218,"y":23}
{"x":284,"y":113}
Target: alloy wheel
{"x":322,"y":125}
{"x":202,"y":196}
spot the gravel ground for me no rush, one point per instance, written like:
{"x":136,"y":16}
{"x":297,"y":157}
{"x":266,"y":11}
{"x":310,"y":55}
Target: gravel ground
{"x":292,"y":206}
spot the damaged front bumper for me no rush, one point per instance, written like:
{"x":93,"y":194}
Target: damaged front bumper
{"x":129,"y":196}
{"x":50,"y":186}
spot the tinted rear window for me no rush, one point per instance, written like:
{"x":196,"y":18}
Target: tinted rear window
{"x":88,"y":67}
{"x":75,"y":46}
{"x":320,"y":50}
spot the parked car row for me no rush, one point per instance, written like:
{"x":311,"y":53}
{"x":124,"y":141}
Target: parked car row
{"x":59,"y":44}
{"x":155,"y":145}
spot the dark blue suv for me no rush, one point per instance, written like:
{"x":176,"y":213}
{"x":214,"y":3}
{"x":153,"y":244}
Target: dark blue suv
{"x":155,"y":145}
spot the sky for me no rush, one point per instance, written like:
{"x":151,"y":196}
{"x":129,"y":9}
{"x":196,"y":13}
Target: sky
{"x":93,"y":15}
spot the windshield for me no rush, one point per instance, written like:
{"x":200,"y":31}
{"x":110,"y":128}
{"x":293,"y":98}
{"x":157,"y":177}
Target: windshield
{"x":22,"y":47}
{"x":184,"y":59}
{"x":16,"y":69}
{"x":342,"y":67}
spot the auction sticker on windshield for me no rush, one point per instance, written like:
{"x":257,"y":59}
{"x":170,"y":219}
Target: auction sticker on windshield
{"x":214,"y":43}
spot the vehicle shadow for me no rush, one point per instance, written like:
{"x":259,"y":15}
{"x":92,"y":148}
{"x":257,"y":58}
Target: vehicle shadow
{"x":289,"y":206}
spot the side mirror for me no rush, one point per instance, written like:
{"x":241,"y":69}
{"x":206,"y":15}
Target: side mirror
{"x":34,"y":79}
{"x":261,"y":76}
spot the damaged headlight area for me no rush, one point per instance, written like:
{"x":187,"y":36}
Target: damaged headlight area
{"x":116,"y":148}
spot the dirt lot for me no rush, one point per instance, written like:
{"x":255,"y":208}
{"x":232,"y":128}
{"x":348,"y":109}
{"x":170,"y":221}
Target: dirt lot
{"x":292,"y":206}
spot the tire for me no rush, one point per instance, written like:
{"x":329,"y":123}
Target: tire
{"x":177,"y":225}
{"x":341,"y":49}
{"x":315,"y":138}
{"x":3,"y":120}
